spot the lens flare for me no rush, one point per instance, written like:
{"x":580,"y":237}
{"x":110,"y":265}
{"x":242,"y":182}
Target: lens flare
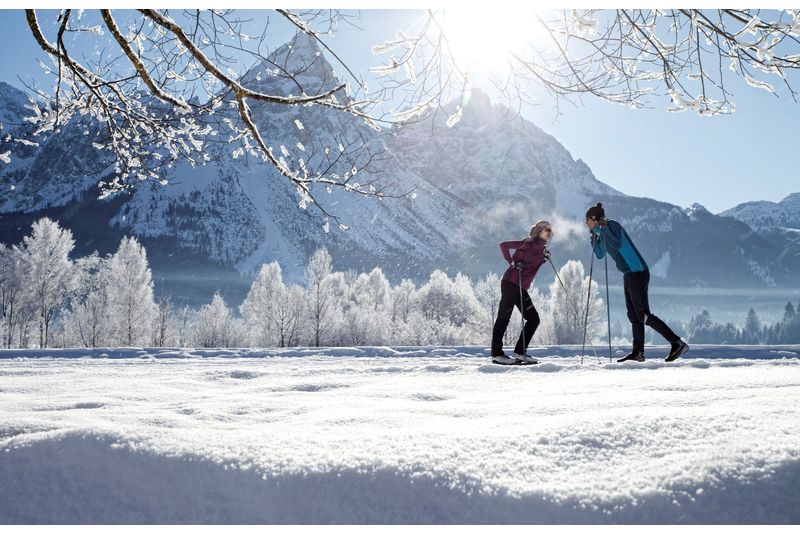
{"x":485,"y":39}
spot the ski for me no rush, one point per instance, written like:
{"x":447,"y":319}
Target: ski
{"x":517,"y":363}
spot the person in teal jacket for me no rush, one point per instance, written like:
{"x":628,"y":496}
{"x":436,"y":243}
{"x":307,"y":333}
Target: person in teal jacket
{"x":609,"y":237}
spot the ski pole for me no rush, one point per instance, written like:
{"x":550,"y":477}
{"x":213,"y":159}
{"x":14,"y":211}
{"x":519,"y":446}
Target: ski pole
{"x":608,"y":302}
{"x":557,"y":275}
{"x":521,"y":312}
{"x":588,"y":297}
{"x":566,"y":297}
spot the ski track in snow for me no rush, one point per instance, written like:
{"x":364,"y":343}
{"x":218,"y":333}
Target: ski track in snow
{"x":398,"y":435}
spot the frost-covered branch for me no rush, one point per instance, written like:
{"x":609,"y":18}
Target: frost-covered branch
{"x":169,"y":87}
{"x":622,"y":56}
{"x":173,"y":88}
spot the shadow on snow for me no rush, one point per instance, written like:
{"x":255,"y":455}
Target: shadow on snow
{"x":90,"y":479}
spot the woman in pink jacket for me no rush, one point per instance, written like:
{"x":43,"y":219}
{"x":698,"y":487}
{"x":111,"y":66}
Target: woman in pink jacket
{"x":529,"y":255}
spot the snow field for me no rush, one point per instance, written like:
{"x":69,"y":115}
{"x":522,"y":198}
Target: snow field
{"x":427,"y":435}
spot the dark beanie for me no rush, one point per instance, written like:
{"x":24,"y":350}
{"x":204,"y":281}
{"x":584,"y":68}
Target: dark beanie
{"x":596,"y":212}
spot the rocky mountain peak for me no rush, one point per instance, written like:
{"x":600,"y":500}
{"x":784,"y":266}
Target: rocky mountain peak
{"x":294,"y":67}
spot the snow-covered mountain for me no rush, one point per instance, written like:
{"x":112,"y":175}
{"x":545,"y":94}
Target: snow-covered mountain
{"x":12,"y":108}
{"x":778,"y":223}
{"x":481,"y":181}
{"x":768,"y":215}
{"x":45,"y":171}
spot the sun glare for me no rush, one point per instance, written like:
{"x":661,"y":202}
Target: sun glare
{"x":484,"y":38}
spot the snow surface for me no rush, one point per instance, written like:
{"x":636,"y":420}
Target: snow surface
{"x":398,"y":435}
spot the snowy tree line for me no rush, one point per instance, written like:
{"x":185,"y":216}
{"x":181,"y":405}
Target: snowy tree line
{"x":703,"y":330}
{"x":50,"y":300}
{"x":346,"y":309}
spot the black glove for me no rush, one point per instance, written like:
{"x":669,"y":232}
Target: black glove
{"x":546,"y":253}
{"x":518,"y":265}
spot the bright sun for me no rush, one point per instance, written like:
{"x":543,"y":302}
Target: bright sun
{"x":484,"y":38}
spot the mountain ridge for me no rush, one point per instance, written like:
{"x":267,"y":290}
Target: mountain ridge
{"x":769,"y":215}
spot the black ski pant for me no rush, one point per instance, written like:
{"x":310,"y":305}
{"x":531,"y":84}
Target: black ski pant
{"x":510,"y":298}
{"x":639,"y":314}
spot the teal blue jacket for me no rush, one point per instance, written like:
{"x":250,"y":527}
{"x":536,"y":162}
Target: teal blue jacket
{"x":612,"y":237}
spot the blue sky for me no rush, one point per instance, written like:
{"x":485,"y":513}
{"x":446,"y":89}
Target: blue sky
{"x":678,"y":158}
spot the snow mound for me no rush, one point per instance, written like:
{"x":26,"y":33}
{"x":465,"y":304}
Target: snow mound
{"x":389,"y":435}
{"x":84,"y":478}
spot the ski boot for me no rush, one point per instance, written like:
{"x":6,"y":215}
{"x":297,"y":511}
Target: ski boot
{"x":525,"y":359}
{"x":638,"y":356}
{"x":502,"y":358}
{"x":678,"y":349}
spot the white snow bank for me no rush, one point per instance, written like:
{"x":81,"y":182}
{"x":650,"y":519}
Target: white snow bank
{"x":620,"y":347}
{"x":85,"y":478}
{"x":403,"y":439}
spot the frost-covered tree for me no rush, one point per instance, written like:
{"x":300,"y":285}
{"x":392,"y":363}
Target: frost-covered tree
{"x":403,"y":300}
{"x":164,"y":325}
{"x":448,"y":300}
{"x":27,"y":322}
{"x":130,"y":294}
{"x":358,"y":327}
{"x":183,"y":326}
{"x":260,"y":308}
{"x":11,"y":298}
{"x":450,"y":309}
{"x":403,"y":303}
{"x":374,"y":290}
{"x":88,"y":321}
{"x":214,"y":325}
{"x":568,"y":308}
{"x":272,"y":312}
{"x":463,"y":288}
{"x":416,"y":330}
{"x":321,"y":297}
{"x":367,"y":311}
{"x":289,"y":317}
{"x":487,"y":291}
{"x":338,"y":287}
{"x":47,"y":271}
